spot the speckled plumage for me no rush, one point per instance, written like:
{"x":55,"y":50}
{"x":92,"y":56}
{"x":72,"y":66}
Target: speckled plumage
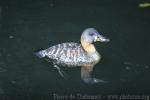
{"x":69,"y":54}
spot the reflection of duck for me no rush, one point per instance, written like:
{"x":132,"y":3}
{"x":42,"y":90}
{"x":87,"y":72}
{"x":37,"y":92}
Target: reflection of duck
{"x":74,"y":54}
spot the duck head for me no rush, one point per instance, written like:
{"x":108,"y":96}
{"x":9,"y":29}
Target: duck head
{"x":91,"y":35}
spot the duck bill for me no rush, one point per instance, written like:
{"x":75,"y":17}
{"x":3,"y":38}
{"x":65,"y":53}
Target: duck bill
{"x":102,"y":39}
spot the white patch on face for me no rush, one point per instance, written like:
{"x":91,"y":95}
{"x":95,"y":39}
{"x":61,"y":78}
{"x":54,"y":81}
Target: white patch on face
{"x":95,"y":38}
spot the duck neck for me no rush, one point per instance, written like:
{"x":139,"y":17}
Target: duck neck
{"x":88,"y":47}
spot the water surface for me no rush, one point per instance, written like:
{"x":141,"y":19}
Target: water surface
{"x":30,"y":25}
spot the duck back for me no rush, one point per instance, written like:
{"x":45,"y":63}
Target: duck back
{"x":67,"y":54}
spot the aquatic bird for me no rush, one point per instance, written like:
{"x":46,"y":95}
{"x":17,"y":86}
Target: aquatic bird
{"x":72,"y":54}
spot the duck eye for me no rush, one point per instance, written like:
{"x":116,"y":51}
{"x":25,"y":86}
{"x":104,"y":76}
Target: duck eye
{"x":91,"y":34}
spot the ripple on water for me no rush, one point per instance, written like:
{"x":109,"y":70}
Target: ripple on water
{"x":137,"y":68}
{"x":11,"y":37}
{"x":2,"y":69}
{"x":1,"y":91}
{"x":146,"y":67}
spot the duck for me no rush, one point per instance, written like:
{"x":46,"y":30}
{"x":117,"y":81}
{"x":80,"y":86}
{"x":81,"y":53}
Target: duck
{"x":71,"y":54}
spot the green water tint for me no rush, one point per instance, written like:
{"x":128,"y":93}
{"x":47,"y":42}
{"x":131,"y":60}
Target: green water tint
{"x":30,"y":25}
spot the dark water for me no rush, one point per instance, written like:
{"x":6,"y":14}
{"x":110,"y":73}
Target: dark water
{"x":28,"y":25}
